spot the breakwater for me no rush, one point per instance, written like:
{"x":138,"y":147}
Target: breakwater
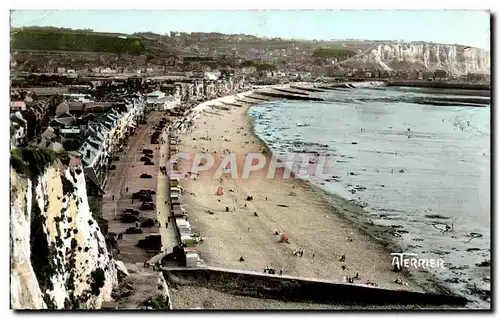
{"x":442,"y":85}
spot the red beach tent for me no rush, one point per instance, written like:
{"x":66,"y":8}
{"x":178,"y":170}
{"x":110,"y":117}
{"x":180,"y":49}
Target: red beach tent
{"x":220,"y":191}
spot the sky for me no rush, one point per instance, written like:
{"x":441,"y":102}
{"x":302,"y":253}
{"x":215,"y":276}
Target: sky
{"x":451,"y":27}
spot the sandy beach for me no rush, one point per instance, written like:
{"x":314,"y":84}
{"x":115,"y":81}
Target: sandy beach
{"x":308,"y":220}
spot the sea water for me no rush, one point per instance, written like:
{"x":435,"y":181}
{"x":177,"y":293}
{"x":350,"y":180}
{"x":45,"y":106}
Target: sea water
{"x":419,"y":167}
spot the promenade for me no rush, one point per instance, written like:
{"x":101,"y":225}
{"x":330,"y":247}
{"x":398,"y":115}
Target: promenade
{"x":168,"y":236}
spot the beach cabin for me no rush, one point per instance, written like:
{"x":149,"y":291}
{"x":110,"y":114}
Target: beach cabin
{"x":177,"y":211}
{"x":175,"y":202}
{"x":191,"y":255}
{"x":175,"y":193}
{"x":176,"y":190}
{"x":188,"y":241}
{"x":185,"y":236}
{"x":185,"y":230}
{"x":181,"y":222}
{"x":174,"y":181}
{"x":173,"y":142}
{"x":183,"y":225}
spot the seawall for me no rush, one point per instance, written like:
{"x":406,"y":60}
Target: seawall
{"x":442,"y":85}
{"x":248,"y":283}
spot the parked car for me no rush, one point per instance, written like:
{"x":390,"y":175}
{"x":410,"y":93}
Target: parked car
{"x":148,"y":206}
{"x":131,"y":211}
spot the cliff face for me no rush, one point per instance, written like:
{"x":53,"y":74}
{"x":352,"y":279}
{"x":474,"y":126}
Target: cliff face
{"x":58,"y":254}
{"x":455,"y":59}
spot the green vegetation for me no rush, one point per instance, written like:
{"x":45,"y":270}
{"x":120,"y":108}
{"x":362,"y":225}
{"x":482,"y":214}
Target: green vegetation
{"x":191,"y":59}
{"x":265,"y":67}
{"x":42,"y":258}
{"x":258,"y":66}
{"x":49,"y":40}
{"x":97,"y":281}
{"x":67,"y":186}
{"x":246,"y":64}
{"x":159,"y":302}
{"x":333,"y":52}
{"x":32,"y":161}
{"x":50,"y":302}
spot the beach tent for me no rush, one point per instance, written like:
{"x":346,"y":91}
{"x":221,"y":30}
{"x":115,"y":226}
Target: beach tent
{"x":220,"y":191}
{"x":284,"y":237}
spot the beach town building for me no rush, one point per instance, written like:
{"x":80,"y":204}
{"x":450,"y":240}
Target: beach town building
{"x":105,"y":136}
{"x":37,"y":117}
{"x":161,"y":101}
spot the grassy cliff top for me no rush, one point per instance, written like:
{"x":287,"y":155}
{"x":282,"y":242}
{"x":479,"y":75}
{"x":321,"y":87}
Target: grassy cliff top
{"x":55,"y":40}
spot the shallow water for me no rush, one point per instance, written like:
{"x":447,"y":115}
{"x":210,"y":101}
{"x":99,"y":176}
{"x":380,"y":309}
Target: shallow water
{"x":415,"y":161}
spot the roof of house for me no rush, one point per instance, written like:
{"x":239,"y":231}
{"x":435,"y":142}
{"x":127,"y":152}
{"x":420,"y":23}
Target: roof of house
{"x":156,"y":93}
{"x":65,"y":119}
{"x":74,"y":161}
{"x":18,"y":118}
{"x":113,"y":116}
{"x":103,"y":128}
{"x":91,"y":175}
{"x":95,"y":144}
{"x":88,"y":117}
{"x":56,"y":146}
{"x":93,"y":141}
{"x":98,"y":107}
{"x":49,"y":133}
{"x":86,"y":146}
{"x":18,"y":105}
{"x":62,"y":108}
{"x":76,"y":106}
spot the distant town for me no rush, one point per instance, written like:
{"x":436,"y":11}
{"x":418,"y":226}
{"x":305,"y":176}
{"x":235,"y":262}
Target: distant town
{"x":83,"y":52}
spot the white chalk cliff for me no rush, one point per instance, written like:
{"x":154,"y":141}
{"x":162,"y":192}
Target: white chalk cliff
{"x":59,"y":258}
{"x":455,"y":59}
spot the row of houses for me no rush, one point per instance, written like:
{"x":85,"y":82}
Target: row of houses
{"x":171,"y":91}
{"x":105,"y":135}
{"x":93,"y":131}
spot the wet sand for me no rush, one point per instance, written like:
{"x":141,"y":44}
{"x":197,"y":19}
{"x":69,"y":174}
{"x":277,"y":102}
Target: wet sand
{"x":308,"y":220}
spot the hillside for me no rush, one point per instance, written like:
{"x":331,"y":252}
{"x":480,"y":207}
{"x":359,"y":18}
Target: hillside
{"x":383,"y":55}
{"x":52,"y":40}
